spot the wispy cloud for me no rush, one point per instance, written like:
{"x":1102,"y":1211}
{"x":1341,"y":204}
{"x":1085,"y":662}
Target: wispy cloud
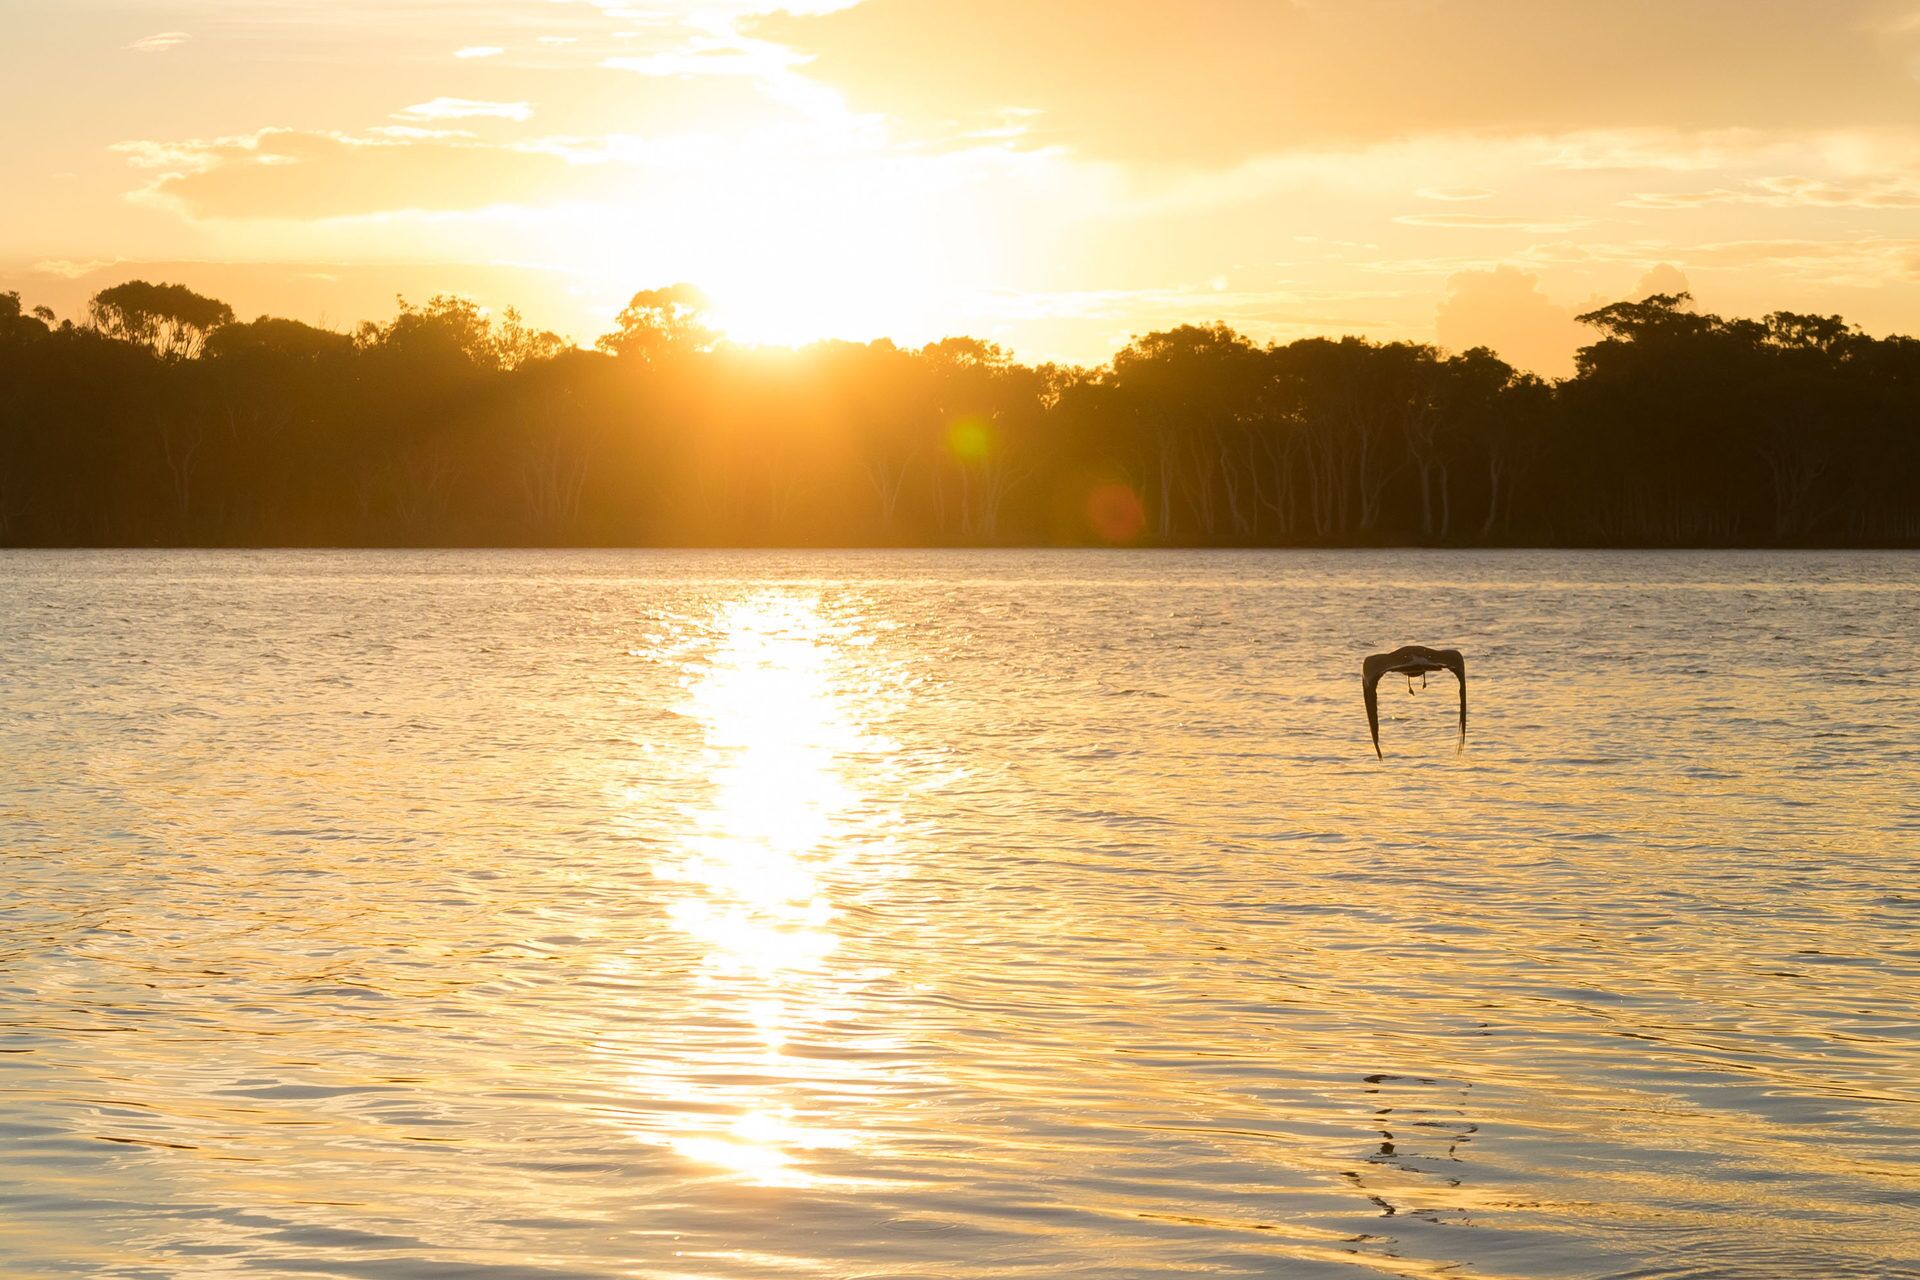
{"x":414,"y":133}
{"x":1492,"y":222}
{"x":67,"y":269}
{"x":179,"y":157}
{"x":722,"y":53}
{"x":1675,"y":150}
{"x":1866,"y":264}
{"x":1792,"y":192}
{"x":466,"y":109}
{"x":291,"y":175}
{"x":160,"y":42}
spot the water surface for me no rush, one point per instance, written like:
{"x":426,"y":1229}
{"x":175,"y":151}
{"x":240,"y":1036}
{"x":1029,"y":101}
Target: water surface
{"x":445,"y":915}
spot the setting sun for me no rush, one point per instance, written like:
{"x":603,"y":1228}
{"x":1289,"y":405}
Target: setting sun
{"x":792,"y":248}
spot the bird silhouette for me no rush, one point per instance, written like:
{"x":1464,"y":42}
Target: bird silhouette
{"x":1410,"y":661}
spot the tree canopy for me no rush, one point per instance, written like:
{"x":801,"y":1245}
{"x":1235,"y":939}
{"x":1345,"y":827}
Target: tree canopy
{"x":163,"y":420}
{"x":172,"y":319}
{"x":659,"y":324}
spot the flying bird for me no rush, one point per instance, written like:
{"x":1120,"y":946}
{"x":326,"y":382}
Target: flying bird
{"x":1413,"y":660}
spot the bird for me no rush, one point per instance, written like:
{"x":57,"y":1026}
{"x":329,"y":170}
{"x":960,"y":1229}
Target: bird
{"x":1410,"y":661}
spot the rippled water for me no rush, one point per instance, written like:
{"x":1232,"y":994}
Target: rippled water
{"x":963,"y":915}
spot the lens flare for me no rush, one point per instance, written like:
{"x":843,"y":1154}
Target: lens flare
{"x":970,"y":439}
{"x":1115,"y":513}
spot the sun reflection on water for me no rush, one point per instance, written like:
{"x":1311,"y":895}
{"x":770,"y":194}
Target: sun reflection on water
{"x":755,"y":865}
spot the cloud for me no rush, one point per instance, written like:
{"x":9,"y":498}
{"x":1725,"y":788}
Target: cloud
{"x":1870,"y":262}
{"x":479,"y":51}
{"x":1680,"y":151}
{"x":719,"y":51}
{"x":1214,"y":81}
{"x":1665,"y":278}
{"x":292,"y":175}
{"x":1507,"y":310}
{"x":1892,"y":192}
{"x":1686,"y":199}
{"x":160,"y":43}
{"x":415,"y":133}
{"x":1455,"y":193}
{"x":1492,"y":222}
{"x":466,"y":109}
{"x":69,"y":270}
{"x":178,"y":156}
{"x":1866,"y":263}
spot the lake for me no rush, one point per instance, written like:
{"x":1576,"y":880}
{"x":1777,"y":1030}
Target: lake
{"x":669,"y":914}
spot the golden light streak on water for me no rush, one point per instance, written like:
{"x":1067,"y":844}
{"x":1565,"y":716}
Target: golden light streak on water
{"x":780,"y":734}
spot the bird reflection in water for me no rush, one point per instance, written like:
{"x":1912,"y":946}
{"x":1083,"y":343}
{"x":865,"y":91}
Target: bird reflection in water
{"x":752,"y":878}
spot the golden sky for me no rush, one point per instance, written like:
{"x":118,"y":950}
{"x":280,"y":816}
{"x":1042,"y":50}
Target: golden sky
{"x":1056,"y":175}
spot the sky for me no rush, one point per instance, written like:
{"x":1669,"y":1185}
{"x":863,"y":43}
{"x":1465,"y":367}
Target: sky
{"x":1053,"y":175}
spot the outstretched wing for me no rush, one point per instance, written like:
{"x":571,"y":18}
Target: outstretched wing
{"x":1458,"y":665}
{"x":1371,"y":670}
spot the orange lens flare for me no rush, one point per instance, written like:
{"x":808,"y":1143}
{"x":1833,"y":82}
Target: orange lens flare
{"x":1115,"y":513}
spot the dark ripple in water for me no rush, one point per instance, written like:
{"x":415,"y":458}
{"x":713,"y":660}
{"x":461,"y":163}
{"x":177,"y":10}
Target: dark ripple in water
{"x":596,"y":915}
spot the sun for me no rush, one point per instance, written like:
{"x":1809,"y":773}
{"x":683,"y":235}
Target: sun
{"x":829,"y":271}
{"x":793,"y":247}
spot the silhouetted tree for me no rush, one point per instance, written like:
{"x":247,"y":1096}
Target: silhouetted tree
{"x":659,"y":323}
{"x":172,"y":319}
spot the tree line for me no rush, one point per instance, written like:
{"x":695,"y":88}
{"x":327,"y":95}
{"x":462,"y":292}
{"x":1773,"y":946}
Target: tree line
{"x":162,"y":419}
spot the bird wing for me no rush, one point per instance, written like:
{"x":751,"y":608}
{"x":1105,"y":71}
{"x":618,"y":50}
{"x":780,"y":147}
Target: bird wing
{"x":1371,"y":670}
{"x":1458,"y":665}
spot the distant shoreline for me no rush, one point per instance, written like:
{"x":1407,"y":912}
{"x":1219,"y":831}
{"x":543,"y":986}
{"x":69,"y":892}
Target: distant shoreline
{"x":166,"y":422}
{"x":1008,"y":548}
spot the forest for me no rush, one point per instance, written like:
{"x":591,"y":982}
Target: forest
{"x":160,"y":419}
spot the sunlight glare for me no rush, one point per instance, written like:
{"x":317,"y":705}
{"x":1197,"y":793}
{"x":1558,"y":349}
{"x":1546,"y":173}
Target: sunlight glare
{"x":778,"y":727}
